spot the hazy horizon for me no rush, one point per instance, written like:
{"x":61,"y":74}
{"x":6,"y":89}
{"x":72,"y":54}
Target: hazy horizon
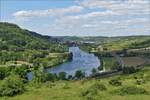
{"x":79,"y":17}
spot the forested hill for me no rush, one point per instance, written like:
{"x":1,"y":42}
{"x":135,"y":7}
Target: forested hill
{"x":13,"y":38}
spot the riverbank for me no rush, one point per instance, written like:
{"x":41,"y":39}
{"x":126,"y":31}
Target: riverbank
{"x":54,"y":59}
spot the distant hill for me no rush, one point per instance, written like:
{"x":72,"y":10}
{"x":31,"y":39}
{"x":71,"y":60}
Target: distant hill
{"x":12,"y":37}
{"x":127,"y":42}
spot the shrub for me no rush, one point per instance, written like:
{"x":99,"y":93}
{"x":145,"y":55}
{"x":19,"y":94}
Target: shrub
{"x":21,"y":71}
{"x":11,"y":86}
{"x":84,"y":93}
{"x":79,"y":74}
{"x":50,"y":84}
{"x":51,"y":77}
{"x":94,"y":89}
{"x":3,"y":73}
{"x":39,"y":77}
{"x":70,"y":77}
{"x":115,"y":82}
{"x":94,"y":71}
{"x":116,"y":66}
{"x":62,"y":75}
{"x":140,"y":81}
{"x":129,"y":70}
{"x":132,"y":90}
{"x":66,"y":86}
{"x":99,"y":86}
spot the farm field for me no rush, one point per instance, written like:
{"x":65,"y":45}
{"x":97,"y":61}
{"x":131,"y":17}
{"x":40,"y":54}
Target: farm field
{"x":134,"y":61}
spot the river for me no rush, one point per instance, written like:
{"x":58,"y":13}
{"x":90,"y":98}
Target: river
{"x":81,"y":61}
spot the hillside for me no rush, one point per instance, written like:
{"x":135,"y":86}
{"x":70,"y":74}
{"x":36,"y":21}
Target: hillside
{"x":23,"y":46}
{"x":13,"y":38}
{"x":129,"y":42}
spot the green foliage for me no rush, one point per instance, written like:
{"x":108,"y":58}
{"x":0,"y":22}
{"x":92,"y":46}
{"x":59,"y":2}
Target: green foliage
{"x":21,"y":71}
{"x":115,"y":82}
{"x":132,"y":90}
{"x":22,"y":45}
{"x":140,"y":81}
{"x":94,"y":71}
{"x":51,"y":77}
{"x":94,"y":89}
{"x":66,"y":86}
{"x":11,"y":86}
{"x":116,"y":66}
{"x":39,"y":77}
{"x":3,"y":72}
{"x":62,"y":75}
{"x":79,"y":74}
{"x":70,"y":77}
{"x":129,"y":70}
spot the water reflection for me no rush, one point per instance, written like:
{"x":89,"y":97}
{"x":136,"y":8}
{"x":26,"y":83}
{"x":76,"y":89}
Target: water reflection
{"x":81,"y":61}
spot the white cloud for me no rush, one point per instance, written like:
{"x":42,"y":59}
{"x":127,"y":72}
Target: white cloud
{"x":118,"y":17}
{"x":48,"y":12}
{"x":119,"y":6}
{"x":88,"y":25}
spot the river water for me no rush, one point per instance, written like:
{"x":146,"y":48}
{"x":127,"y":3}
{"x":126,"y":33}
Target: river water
{"x":81,"y":61}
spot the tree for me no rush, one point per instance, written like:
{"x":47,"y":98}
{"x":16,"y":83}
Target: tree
{"x":2,"y":73}
{"x":62,"y":75}
{"x":51,"y":77}
{"x":11,"y":86}
{"x":116,"y":66}
{"x":129,"y":70}
{"x":39,"y":76}
{"x":21,"y":71}
{"x":79,"y":74}
{"x":70,"y":77}
{"x":94,"y":71}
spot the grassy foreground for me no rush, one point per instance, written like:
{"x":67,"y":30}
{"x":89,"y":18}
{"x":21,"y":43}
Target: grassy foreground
{"x":84,"y":89}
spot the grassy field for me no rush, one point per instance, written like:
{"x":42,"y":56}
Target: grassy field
{"x":74,"y":90}
{"x":108,"y":62}
{"x":128,"y":61}
{"x":133,"y":61}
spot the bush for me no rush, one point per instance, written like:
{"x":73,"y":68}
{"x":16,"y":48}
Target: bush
{"x":62,"y":75}
{"x":140,"y":81}
{"x":131,"y":90}
{"x":70,"y":77}
{"x":94,"y":71}
{"x":51,"y":77}
{"x":116,"y":66}
{"x":11,"y":86}
{"x":129,"y":70}
{"x":79,"y":74}
{"x":39,"y":77}
{"x":66,"y":86}
{"x":99,"y":86}
{"x":3,"y":73}
{"x":115,"y":82}
{"x":94,"y":89}
{"x":21,"y":71}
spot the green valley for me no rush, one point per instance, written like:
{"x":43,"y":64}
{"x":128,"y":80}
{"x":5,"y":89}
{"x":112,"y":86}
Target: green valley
{"x":23,"y":52}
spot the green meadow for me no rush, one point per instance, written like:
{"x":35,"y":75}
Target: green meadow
{"x":91,"y":89}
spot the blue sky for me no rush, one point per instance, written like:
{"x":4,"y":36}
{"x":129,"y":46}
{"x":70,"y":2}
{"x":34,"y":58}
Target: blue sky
{"x":79,"y":17}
